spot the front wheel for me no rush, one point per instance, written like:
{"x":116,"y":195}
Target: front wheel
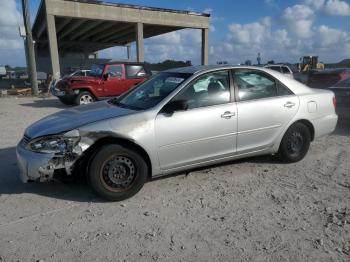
{"x":117,"y":172}
{"x":295,"y":143}
{"x":84,"y":97}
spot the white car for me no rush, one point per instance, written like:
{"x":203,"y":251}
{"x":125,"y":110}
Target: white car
{"x":177,"y":120}
{"x":283,"y":69}
{"x":80,"y":73}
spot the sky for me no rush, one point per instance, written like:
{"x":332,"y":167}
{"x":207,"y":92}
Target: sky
{"x":280,"y":30}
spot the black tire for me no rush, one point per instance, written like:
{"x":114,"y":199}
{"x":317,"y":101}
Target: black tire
{"x":117,"y":172}
{"x":295,"y":143}
{"x":84,"y":97}
{"x":66,"y":101}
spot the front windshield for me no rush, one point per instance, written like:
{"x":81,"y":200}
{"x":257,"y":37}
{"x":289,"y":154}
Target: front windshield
{"x":96,"y":70}
{"x":152,"y":91}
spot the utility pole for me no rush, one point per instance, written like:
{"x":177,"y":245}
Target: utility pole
{"x":30,"y":48}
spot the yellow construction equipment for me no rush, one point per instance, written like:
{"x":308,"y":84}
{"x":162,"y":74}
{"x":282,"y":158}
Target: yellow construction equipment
{"x":308,"y":63}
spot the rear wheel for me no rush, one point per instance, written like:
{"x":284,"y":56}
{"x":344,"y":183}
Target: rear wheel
{"x":84,"y":97}
{"x":117,"y":172}
{"x":295,"y":143}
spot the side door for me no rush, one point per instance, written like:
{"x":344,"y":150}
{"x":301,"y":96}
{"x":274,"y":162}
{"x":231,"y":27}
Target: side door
{"x":113,"y":85}
{"x":206,"y":130}
{"x":264,"y":106}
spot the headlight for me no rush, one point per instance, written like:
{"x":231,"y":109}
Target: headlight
{"x":56,"y":143}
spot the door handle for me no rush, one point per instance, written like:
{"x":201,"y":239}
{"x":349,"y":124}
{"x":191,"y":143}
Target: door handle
{"x":289,"y":104}
{"x":228,"y":114}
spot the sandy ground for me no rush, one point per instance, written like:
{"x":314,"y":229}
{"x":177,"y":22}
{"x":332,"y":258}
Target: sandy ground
{"x":250,"y":210}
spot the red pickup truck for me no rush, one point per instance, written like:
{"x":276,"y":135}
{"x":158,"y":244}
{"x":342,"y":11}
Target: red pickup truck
{"x":103,"y":81}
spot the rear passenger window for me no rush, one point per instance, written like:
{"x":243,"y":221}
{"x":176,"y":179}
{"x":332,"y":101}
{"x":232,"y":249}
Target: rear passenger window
{"x":275,"y":68}
{"x":133,"y":71}
{"x":285,"y":70}
{"x":257,"y":85}
{"x":282,"y":90}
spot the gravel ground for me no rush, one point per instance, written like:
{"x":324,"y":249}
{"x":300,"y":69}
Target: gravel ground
{"x":250,"y":210}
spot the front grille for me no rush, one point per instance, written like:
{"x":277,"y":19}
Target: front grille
{"x":25,"y":140}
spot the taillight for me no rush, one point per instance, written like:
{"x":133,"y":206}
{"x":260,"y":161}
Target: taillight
{"x":334,"y":101}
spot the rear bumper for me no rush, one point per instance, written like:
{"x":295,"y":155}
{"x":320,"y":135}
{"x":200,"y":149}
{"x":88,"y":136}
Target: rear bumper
{"x":325,"y":125}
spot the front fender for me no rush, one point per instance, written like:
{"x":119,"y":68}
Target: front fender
{"x":87,"y":87}
{"x":137,"y":128}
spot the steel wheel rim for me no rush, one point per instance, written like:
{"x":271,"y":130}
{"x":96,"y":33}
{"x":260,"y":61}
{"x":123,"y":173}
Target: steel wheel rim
{"x":118,"y":173}
{"x":295,"y":143}
{"x":86,"y":99}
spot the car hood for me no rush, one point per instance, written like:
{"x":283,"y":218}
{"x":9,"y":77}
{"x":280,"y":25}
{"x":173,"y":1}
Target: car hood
{"x":82,"y":78}
{"x":75,"y":117}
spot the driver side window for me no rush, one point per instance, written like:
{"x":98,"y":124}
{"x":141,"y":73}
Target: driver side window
{"x":207,"y":90}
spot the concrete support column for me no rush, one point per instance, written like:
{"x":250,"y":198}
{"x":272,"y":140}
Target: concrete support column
{"x":30,"y":52}
{"x":139,"y":43}
{"x":128,"y":51}
{"x":205,"y":46}
{"x":53,"y":47}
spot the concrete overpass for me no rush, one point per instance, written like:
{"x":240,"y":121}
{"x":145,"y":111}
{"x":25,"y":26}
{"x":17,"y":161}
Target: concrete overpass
{"x":78,"y":28}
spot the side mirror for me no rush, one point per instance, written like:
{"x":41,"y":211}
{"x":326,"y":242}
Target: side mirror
{"x":172,"y":106}
{"x":105,"y":76}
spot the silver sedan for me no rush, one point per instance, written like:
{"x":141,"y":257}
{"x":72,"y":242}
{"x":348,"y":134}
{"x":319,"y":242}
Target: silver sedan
{"x":179,"y":119}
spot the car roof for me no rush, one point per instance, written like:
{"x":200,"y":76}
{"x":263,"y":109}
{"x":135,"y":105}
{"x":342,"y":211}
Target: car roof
{"x":275,"y":65}
{"x":204,"y":68}
{"x":122,"y":62}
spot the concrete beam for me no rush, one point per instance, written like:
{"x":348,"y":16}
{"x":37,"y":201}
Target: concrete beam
{"x":71,"y":28}
{"x":112,"y":33}
{"x":62,"y":24}
{"x":125,"y":14}
{"x":205,"y":46}
{"x":86,"y":28}
{"x":105,"y":27}
{"x":139,"y":43}
{"x":153,"y":31}
{"x":147,"y":32}
{"x":51,"y":32}
{"x":68,"y":43}
{"x":123,"y":36}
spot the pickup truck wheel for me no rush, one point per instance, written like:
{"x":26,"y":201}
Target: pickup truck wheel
{"x":117,"y":172}
{"x":295,"y":143}
{"x":84,"y":97}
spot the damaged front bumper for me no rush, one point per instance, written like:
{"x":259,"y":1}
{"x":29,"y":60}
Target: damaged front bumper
{"x":36,"y":166}
{"x":30,"y":163}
